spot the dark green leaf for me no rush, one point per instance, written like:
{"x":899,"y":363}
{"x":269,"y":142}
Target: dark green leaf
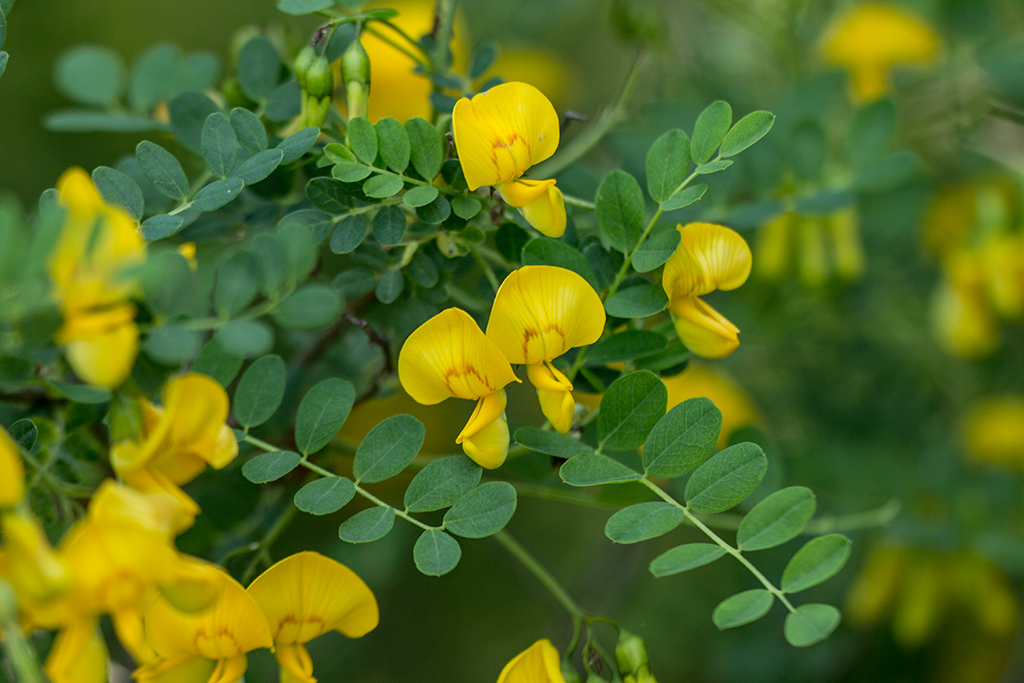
{"x":420,"y":195}
{"x":655,"y":251}
{"x":160,"y":226}
{"x":389,"y":286}
{"x":285,"y":103}
{"x":80,"y":393}
{"x":249,"y":130}
{"x":746,"y":132}
{"x":726,"y":479}
{"x":423,"y":270}
{"x":742,"y":608}
{"x":685,"y":198}
{"x":301,"y":7}
{"x":299,"y":248}
{"x":172,"y":344}
{"x":426,"y":147}
{"x":259,"y":166}
{"x":483,"y":59}
{"x":383,"y":185}
{"x":871,"y":130}
{"x":625,"y":345}
{"x":550,"y":443}
{"x":246,"y":338}
{"x":588,"y":469}
{"x":620,"y":210}
{"x":167,"y":283}
{"x":682,"y":439}
{"x":441,"y":483}
{"x":260,"y":391}
{"x":776,"y":519}
{"x":259,"y":68}
{"x":322,"y":412}
{"x":328,"y":194}
{"x":668,"y":161}
{"x":544,"y":251}
{"x":310,"y":307}
{"x":362,"y":138}
{"x":349,"y":234}
{"x":709,"y":131}
{"x":435,"y":212}
{"x":685,"y":557}
{"x":713,"y":166}
{"x":298,"y":143}
{"x":811,"y":624}
{"x":637,"y":302}
{"x":119,"y":188}
{"x":237,"y":283}
{"x":213,"y":361}
{"x":393,"y":144}
{"x":466,"y":207}
{"x":367,"y":525}
{"x":819,"y":560}
{"x":317,"y":223}
{"x":267,"y":467}
{"x":90,"y":74}
{"x":350,"y":171}
{"x":24,"y":433}
{"x":436,"y":553}
{"x":219,"y":144}
{"x":217,"y":194}
{"x":483,"y":511}
{"x":162,"y":169}
{"x":388,"y":449}
{"x":325,"y":496}
{"x":189,"y":112}
{"x":389,"y":225}
{"x":643,"y":521}
{"x":630,"y":408}
{"x":88,"y":120}
{"x":151,"y":76}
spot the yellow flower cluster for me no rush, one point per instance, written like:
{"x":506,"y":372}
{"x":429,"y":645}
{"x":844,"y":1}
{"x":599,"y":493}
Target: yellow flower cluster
{"x":539,"y":313}
{"x":822,"y":245}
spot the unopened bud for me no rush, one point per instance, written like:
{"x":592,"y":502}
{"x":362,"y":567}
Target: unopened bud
{"x":569,"y":672}
{"x":630,"y":652}
{"x":303,"y":60}
{"x":319,"y":78}
{"x":355,"y":72}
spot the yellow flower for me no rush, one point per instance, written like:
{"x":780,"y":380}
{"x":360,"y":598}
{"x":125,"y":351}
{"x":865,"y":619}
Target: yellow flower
{"x":78,"y":654}
{"x":961,"y":316}
{"x":994,"y":431}
{"x":37,"y":573}
{"x":306,"y":595}
{"x":98,"y":243}
{"x":178,"y":442}
{"x":539,"y":313}
{"x":699,"y":380}
{"x":872,"y":39}
{"x":545,"y":70}
{"x":708,"y":257}
{"x":449,"y":357}
{"x":823,"y":245}
{"x":539,"y":663}
{"x":12,"y":472}
{"x":209,"y":645}
{"x":500,"y":134}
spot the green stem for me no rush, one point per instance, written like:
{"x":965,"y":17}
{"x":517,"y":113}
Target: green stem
{"x":401,"y":48}
{"x":579,"y":203}
{"x":446,"y":22}
{"x":486,"y":267}
{"x":736,"y":553}
{"x":543,"y":575}
{"x":263,"y":549}
{"x":398,"y":513}
{"x":19,"y":654}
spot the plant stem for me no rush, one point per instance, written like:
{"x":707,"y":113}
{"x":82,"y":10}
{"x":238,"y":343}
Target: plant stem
{"x":540,"y":571}
{"x":577,"y":202}
{"x":263,"y":549}
{"x":399,"y":513}
{"x":486,"y":267}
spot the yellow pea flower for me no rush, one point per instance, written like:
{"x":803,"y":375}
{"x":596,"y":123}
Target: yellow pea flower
{"x":209,"y":645}
{"x":449,"y":357}
{"x":78,"y":654}
{"x":178,"y":442}
{"x":737,"y":409}
{"x":306,"y":595}
{"x":98,"y":243}
{"x":539,"y":313}
{"x":12,"y":472}
{"x":539,"y":663}
{"x":708,"y":257}
{"x":961,"y":316}
{"x":872,"y":39}
{"x":994,"y":431}
{"x":37,"y":573}
{"x":500,"y":134}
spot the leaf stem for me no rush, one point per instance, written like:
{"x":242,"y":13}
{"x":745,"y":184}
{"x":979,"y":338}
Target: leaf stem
{"x":399,"y":513}
{"x":543,"y":575}
{"x":579,"y":203}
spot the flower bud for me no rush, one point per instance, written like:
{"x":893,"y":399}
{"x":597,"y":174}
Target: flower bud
{"x":355,"y":72}
{"x":302,"y":63}
{"x":319,"y":78}
{"x":630,"y":653}
{"x":569,"y":672}
{"x":594,"y":678}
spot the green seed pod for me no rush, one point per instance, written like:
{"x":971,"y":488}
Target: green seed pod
{"x":569,"y":673}
{"x":355,"y":72}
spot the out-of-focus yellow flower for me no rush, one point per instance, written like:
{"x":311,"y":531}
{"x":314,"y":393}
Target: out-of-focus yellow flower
{"x":1002,"y":262}
{"x":823,"y":246}
{"x":306,"y":595}
{"x":873,"y":38}
{"x":209,"y":645}
{"x":961,"y":316}
{"x":539,"y":313}
{"x":921,"y":587}
{"x":449,"y":357}
{"x":500,"y":134}
{"x":37,"y":573}
{"x":708,"y":257}
{"x":178,"y":442}
{"x":12,"y":472}
{"x":545,"y":70}
{"x":98,"y":243}
{"x":78,"y":654}
{"x":994,"y":431}
{"x":539,"y":663}
{"x":737,"y":408}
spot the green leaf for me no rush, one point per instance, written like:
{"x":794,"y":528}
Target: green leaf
{"x":776,"y":519}
{"x":550,"y":443}
{"x":819,"y":560}
{"x":674,"y":355}
{"x":24,"y":433}
{"x":298,"y":143}
{"x":389,"y":286}
{"x":367,"y":525}
{"x":260,"y":391}
{"x":630,"y":408}
{"x":350,"y":172}
{"x":441,"y":483}
{"x":259,"y":166}
{"x":388,"y":449}
{"x":389,"y":226}
{"x":160,"y":226}
{"x":237,"y":283}
{"x":639,"y":301}
{"x":215,"y":362}
{"x":249,"y":130}
{"x":219,"y":145}
{"x":328,"y":194}
{"x":709,"y":131}
{"x":299,"y":249}
{"x":119,"y":188}
{"x":466,"y":207}
{"x":589,"y":469}
{"x":620,"y":210}
{"x":484,"y":58}
{"x":349,"y":234}
{"x":544,"y":251}
{"x":246,"y":338}
{"x":746,"y":132}
{"x":301,"y":7}
{"x":682,"y":439}
{"x":713,"y":166}
{"x":886,"y":173}
{"x":80,"y":393}
{"x":811,"y":624}
{"x":685,"y":198}
{"x":426,"y":148}
{"x":162,"y":169}
{"x":668,"y":161}
{"x":217,"y":194}
{"x":151,"y":76}
{"x":625,"y":345}
{"x":383,"y":185}
{"x":189,"y":112}
{"x":436,"y":553}
{"x":310,"y":307}
{"x":268,"y":467}
{"x":423,"y":270}
{"x":322,"y":412}
{"x":259,"y":68}
{"x":89,"y":120}
{"x":420,"y":195}
{"x":393,"y":144}
{"x":172,"y":344}
{"x":684,"y":558}
{"x":643,"y":521}
{"x":656,"y":250}
{"x":871,"y":130}
{"x":435,"y":212}
{"x":90,"y":74}
{"x":362,"y":138}
{"x":726,"y":478}
{"x":742,"y":608}
{"x":318,"y":224}
{"x":167,"y":283}
{"x":3,"y":28}
{"x":483,"y":511}
{"x":325,"y":496}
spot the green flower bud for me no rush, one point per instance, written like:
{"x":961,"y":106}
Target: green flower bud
{"x":594,"y":678}
{"x":569,"y":672}
{"x":319,"y":78}
{"x":302,"y":63}
{"x":355,"y":72}
{"x":631,"y":653}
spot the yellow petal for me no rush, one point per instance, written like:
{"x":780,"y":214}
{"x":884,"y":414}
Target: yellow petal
{"x":705,"y":331}
{"x":179,"y":670}
{"x":488,"y":409}
{"x":546,"y":213}
{"x":129,"y":630}
{"x":774,"y":243}
{"x":197,"y":407}
{"x":78,"y":193}
{"x":554,"y":392}
{"x":448,"y":356}
{"x":148,"y":480}
{"x":540,"y":312}
{"x":518,"y":193}
{"x":880,"y":35}
{"x":295,"y":662}
{"x":537,"y":664}
{"x":489,"y":446}
{"x":814,"y":266}
{"x":106,"y":358}
{"x":994,"y":431}
{"x":33,"y":568}
{"x":501,"y":133}
{"x":193,"y":586}
{"x":12,"y":472}
{"x":708,"y":257}
{"x":961,"y":317}
{"x":306,"y":595}
{"x":78,"y":655}
{"x":846,"y":240}
{"x":229,"y":670}
{"x":113,"y":502}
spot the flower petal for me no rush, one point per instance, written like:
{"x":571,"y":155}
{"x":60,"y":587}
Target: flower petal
{"x":106,"y":358}
{"x":555,"y":394}
{"x":448,"y":356}
{"x":295,"y":662}
{"x":501,"y":133}
{"x":78,"y":655}
{"x":540,"y":312}
{"x":705,"y":331}
{"x":488,"y":409}
{"x":197,"y":407}
{"x":520,"y":192}
{"x":489,"y":446}
{"x":546,"y":213}
{"x":537,"y":664}
{"x":179,"y":670}
{"x":708,"y":257}
{"x":12,"y":472}
{"x":880,"y":35}
{"x":33,"y":567}
{"x":149,"y":480}
{"x":306,"y":595}
{"x":114,"y":502}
